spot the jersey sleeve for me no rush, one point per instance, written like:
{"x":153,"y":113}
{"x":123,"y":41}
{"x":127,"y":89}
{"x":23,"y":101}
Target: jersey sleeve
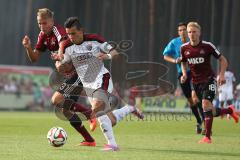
{"x":59,"y":32}
{"x":169,"y":49}
{"x":105,"y":47}
{"x":40,"y":43}
{"x":182,"y":50}
{"x":64,"y":44}
{"x":67,"y":57}
{"x":214,"y":51}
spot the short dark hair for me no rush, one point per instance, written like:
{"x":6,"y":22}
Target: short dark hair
{"x":73,"y":22}
{"x":182,"y":24}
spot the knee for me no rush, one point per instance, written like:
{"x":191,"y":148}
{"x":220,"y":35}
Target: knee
{"x":57,"y":98}
{"x":194,"y":98}
{"x":97,"y":105}
{"x":112,"y":118}
{"x":190,"y":101}
{"x":206,"y":104}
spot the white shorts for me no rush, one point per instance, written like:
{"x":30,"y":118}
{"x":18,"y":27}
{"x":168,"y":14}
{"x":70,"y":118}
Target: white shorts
{"x":101,"y":90}
{"x":225,"y":95}
{"x":103,"y":82}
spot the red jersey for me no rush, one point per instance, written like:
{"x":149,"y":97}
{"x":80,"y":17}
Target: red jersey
{"x":52,"y":40}
{"x":199,"y":60}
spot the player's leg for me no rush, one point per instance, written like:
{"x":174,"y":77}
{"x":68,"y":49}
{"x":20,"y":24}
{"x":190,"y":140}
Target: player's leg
{"x":63,"y":106}
{"x":222,"y":97}
{"x":209,"y":91}
{"x":208,"y":112}
{"x":198,"y":103}
{"x":230,"y":104}
{"x":124,"y":110}
{"x":187,"y":91}
{"x":229,"y":110}
{"x":229,"y":96}
{"x":99,"y":100}
{"x":106,"y":124}
{"x":61,"y":99}
{"x":222,"y":106}
{"x":72,"y":89}
{"x":131,"y":105}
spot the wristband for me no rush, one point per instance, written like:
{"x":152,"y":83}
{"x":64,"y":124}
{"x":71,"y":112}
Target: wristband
{"x":109,"y":56}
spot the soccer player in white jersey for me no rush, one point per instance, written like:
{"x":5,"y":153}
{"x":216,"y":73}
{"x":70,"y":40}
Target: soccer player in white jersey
{"x":226,"y":90}
{"x":87,"y":57}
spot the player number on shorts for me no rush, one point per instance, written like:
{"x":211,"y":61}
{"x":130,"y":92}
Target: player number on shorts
{"x":212,"y":87}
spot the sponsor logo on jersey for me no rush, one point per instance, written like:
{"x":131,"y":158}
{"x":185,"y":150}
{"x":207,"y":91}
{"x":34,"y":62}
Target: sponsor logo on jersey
{"x":84,"y":56}
{"x":197,"y":60}
{"x":89,"y":47}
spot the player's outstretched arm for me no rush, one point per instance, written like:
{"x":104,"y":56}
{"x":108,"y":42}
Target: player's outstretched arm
{"x":184,"y":71}
{"x":33,"y":55}
{"x":172,"y":60}
{"x":223,"y":66}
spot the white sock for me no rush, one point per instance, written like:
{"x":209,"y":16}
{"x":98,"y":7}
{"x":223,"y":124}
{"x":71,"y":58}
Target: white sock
{"x":106,"y":127}
{"x":123,"y":112}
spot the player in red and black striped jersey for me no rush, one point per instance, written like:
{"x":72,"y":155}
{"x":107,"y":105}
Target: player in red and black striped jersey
{"x":53,"y":37}
{"x":197,"y":54}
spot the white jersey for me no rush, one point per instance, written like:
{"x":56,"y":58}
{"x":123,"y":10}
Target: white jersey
{"x":84,"y":58}
{"x":226,"y":90}
{"x":230,"y":78}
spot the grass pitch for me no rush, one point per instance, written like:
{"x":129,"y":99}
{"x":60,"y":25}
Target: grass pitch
{"x":23,"y":137}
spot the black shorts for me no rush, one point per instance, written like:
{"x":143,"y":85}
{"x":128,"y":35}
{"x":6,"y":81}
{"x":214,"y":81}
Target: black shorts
{"x":186,"y":86}
{"x":206,"y":90}
{"x":71,"y":88}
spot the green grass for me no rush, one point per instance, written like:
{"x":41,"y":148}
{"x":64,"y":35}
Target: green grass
{"x":23,"y":137}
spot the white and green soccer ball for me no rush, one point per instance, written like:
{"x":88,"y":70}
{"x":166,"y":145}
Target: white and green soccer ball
{"x":57,"y":136}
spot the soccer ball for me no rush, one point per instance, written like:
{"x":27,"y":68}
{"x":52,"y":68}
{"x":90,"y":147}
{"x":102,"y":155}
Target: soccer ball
{"x":57,"y":136}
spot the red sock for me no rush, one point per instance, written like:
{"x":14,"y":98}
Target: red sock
{"x":77,"y":107}
{"x":226,"y":111}
{"x":76,"y":122}
{"x":83,"y":131}
{"x":208,"y":123}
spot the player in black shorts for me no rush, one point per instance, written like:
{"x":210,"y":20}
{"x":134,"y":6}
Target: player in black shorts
{"x":172,"y":54}
{"x":197,"y":54}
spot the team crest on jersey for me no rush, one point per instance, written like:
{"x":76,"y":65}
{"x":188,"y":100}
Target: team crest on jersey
{"x":202,"y":51}
{"x":89,"y":47}
{"x":53,"y":42}
{"x":187,"y":53}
